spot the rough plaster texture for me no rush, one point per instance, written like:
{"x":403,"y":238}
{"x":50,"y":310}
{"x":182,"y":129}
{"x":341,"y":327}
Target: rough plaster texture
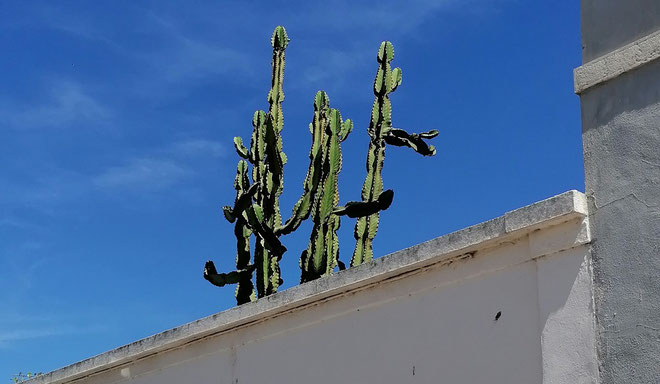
{"x":424,"y":314}
{"x":610,"y":24}
{"x":621,"y":135}
{"x":625,"y":59}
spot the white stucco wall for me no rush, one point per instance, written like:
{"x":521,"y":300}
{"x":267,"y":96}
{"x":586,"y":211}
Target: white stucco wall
{"x":423,"y":315}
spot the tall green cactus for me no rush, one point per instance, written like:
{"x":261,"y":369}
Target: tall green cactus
{"x":328,"y":131}
{"x":381,"y":133}
{"x":268,"y":168}
{"x":262,"y":217}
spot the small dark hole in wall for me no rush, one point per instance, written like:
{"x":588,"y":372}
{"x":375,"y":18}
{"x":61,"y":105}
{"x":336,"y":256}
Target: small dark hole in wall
{"x":498,"y":315}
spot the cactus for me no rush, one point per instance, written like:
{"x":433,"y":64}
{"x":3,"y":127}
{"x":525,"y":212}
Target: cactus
{"x":381,"y":133}
{"x":262,"y":217}
{"x":256,"y":209}
{"x":243,"y":274}
{"x":303,"y":207}
{"x":328,"y":131}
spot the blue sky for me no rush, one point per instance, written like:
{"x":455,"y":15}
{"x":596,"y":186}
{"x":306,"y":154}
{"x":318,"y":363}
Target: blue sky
{"x":116,"y":127}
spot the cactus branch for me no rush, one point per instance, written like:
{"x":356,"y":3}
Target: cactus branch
{"x":222,"y":279}
{"x":401,"y":138}
{"x":355,"y":209}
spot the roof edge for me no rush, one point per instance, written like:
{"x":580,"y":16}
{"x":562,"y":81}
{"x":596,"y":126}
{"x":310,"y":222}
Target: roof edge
{"x":555,"y":210}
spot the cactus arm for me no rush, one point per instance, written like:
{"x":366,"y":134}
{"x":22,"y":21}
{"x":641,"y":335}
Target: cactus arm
{"x":330,"y":196}
{"x":279,"y":41}
{"x":254,"y":215}
{"x":321,"y":255}
{"x":312,"y":259}
{"x":358,"y":209}
{"x":346,"y":129}
{"x":332,"y":243}
{"x":401,"y":138}
{"x":243,"y":201}
{"x":262,"y":264}
{"x":258,"y":152}
{"x":243,"y":274}
{"x":274,"y":175}
{"x":275,"y":123}
{"x":429,"y":134}
{"x":396,"y":79}
{"x":240,"y":148}
{"x":268,"y":251}
{"x":244,"y":288}
{"x":222,"y":279}
{"x":366,"y":226}
{"x":303,"y":207}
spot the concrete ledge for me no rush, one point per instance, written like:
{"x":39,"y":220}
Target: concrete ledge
{"x":569,"y":206}
{"x":618,"y":62}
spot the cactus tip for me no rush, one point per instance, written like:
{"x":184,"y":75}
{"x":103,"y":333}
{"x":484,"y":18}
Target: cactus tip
{"x":280,"y":39}
{"x":321,"y":100}
{"x":385,"y":52}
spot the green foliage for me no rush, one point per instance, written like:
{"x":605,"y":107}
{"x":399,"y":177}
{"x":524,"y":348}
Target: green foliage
{"x":256,"y":209}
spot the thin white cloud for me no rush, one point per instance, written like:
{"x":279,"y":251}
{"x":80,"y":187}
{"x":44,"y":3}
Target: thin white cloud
{"x":161,"y":169}
{"x":361,"y":26}
{"x":67,"y":102}
{"x":157,"y":170}
{"x":147,"y":174}
{"x":168,"y":63}
{"x":50,"y":16}
{"x":52,"y":330}
{"x":181,"y":61}
{"x":42,"y":188}
{"x":198,"y":148}
{"x":187,"y":57}
{"x":18,"y":223}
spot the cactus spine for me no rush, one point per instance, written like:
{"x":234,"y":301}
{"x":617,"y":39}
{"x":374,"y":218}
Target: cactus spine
{"x":381,"y":132}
